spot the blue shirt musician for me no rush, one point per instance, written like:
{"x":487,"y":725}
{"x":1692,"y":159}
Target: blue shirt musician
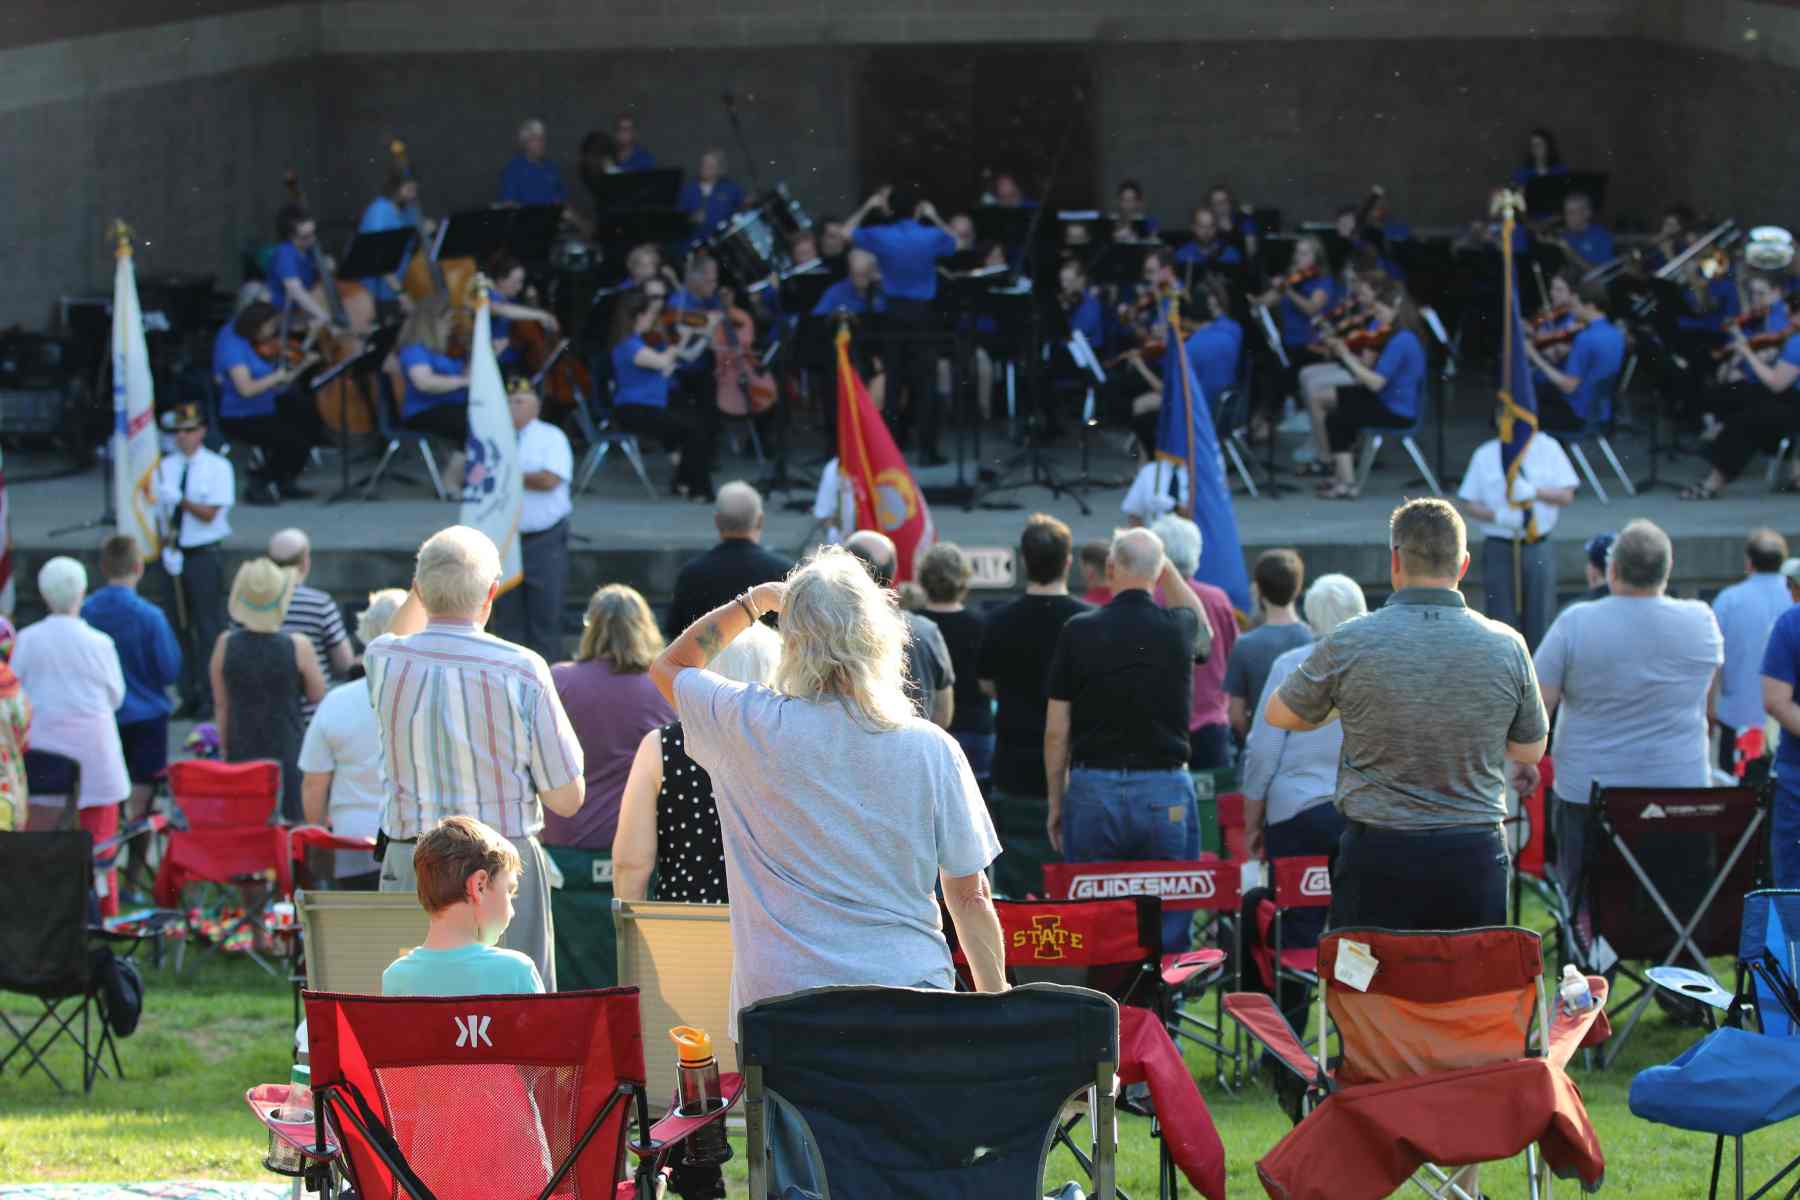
{"x":436,"y":384}
{"x":628,"y":155}
{"x":643,"y":362}
{"x":254,"y":376}
{"x":293,"y":267}
{"x":396,"y":208}
{"x":530,"y":178}
{"x":1208,"y":250}
{"x":1586,"y":244}
{"x":1133,"y":220}
{"x":1216,"y":347}
{"x":1580,"y":389}
{"x":711,"y":198}
{"x":1388,"y":374}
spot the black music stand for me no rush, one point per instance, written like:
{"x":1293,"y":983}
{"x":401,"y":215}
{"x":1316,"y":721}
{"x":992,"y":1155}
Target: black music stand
{"x":631,"y":190}
{"x":800,"y":291}
{"x":1008,"y":226}
{"x":377,"y":255}
{"x":360,"y":368}
{"x":1546,"y":193}
{"x":1023,"y":313}
{"x":532,"y":231}
{"x":1121,"y":264}
{"x":478,"y":234}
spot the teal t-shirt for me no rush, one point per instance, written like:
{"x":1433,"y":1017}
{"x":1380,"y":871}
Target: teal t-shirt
{"x":472,"y":970}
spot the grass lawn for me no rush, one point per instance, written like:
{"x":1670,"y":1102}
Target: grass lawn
{"x":223,"y":1025}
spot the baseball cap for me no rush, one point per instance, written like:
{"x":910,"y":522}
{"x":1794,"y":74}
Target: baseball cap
{"x":1599,"y":546}
{"x":1791,"y":569}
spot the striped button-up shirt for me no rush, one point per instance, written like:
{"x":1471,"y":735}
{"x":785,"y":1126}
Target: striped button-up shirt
{"x":470,"y":724}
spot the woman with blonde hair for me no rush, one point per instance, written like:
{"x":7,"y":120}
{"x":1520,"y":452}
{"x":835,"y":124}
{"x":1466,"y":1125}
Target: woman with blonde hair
{"x":841,"y":810}
{"x":612,"y":704}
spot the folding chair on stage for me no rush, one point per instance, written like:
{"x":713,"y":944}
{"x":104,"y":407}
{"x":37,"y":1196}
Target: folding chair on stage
{"x":1440,"y":1067}
{"x":920,"y":1092}
{"x":482,"y":1096}
{"x":49,"y":950}
{"x":1738,"y":1079}
{"x":1205,"y":885}
{"x":1115,"y":947}
{"x":1665,"y":874}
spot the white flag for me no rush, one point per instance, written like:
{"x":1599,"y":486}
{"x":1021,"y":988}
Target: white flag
{"x":134,"y":450}
{"x":493,"y":490}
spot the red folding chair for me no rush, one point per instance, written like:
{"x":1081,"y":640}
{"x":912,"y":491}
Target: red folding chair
{"x":228,"y":837}
{"x":1299,"y":882}
{"x":1439,"y":1067}
{"x":1207,"y":884}
{"x":1115,"y":946}
{"x":481,"y":1096}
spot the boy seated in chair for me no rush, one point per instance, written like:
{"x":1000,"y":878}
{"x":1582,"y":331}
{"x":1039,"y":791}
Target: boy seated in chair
{"x":467,"y":874}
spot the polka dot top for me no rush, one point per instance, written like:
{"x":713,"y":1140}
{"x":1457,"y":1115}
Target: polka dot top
{"x":690,"y":853}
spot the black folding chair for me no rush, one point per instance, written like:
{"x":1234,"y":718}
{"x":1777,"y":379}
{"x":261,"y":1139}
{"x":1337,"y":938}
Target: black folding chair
{"x":915,"y":1091}
{"x":46,"y":880}
{"x":1665,"y":873}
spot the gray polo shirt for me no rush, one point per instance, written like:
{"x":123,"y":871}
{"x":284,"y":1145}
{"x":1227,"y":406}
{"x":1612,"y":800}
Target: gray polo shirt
{"x":1429,"y":694}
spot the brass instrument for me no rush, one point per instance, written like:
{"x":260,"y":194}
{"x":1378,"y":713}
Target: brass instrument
{"x":1724,"y":233}
{"x":1769,"y":248}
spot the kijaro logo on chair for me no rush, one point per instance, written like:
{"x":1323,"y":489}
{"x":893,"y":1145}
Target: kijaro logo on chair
{"x":472,"y":1031}
{"x":1316,"y":882}
{"x":1195,"y":883}
{"x":1047,"y":938}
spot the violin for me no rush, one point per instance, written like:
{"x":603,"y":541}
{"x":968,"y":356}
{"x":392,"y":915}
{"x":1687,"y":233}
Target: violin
{"x":1362,"y":341}
{"x":1295,"y":278}
{"x":1770,"y":339}
{"x":744,"y":389}
{"x":1557,"y":337}
{"x":1550,"y":316}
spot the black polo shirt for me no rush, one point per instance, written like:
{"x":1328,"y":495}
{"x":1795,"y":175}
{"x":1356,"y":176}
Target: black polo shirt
{"x":1127,"y":671}
{"x":732,"y":566}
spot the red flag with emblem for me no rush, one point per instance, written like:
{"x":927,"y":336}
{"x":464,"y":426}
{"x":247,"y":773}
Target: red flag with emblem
{"x":888,"y":499}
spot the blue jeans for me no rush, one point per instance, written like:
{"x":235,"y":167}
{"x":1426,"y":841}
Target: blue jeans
{"x":1124,"y":816}
{"x":1784,"y":827}
{"x":978,"y":748}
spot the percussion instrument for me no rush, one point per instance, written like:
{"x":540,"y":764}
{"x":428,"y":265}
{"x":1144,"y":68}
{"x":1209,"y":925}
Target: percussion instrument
{"x":782,"y":211}
{"x":750,"y":249}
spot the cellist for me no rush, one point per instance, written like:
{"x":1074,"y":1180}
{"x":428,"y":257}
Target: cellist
{"x":294,"y":280}
{"x":396,"y":208}
{"x":508,"y":276}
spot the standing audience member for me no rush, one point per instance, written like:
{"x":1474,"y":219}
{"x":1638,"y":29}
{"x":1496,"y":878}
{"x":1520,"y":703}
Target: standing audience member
{"x":834,"y":870}
{"x":546,"y":465}
{"x":70,"y":671}
{"x":1518,"y":561}
{"x":1747,"y":612}
{"x":194,"y":493}
{"x":1275,"y":580}
{"x":612,"y":704}
{"x":261,"y":676}
{"x":930,"y":679}
{"x":1780,"y":672}
{"x":1209,"y":730}
{"x":736,"y":563}
{"x":340,"y":758}
{"x":467,"y":877}
{"x":944,"y":574}
{"x":150,"y":657}
{"x":1434,"y":700}
{"x":15,"y":729}
{"x":1014,"y":648}
{"x":1116,"y":723}
{"x":668,"y":819}
{"x":1597,"y":549}
{"x":1093,"y":555}
{"x":1630,"y":675}
{"x":470,"y":724}
{"x":312,"y":613}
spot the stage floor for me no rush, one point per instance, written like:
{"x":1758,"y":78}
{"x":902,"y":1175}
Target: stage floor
{"x":622,"y":535}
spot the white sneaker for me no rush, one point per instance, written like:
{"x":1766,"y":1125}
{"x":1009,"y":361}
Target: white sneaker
{"x":1299,"y":422}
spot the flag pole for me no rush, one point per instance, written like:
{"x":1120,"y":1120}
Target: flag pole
{"x":1187,"y":395}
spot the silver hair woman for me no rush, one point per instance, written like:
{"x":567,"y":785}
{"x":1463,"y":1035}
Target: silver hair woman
{"x":840,"y":809}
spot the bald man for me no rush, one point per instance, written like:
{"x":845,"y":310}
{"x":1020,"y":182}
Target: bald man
{"x":930,"y":677}
{"x":736,"y":564}
{"x":312,"y":612}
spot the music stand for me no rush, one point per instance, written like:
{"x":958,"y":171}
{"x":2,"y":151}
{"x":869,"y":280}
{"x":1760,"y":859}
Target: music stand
{"x":377,"y":255}
{"x":1546,"y":193}
{"x":630,"y":190}
{"x":801,"y":291}
{"x":1008,"y":226}
{"x":532,"y":231}
{"x":657,"y":226}
{"x":358,"y":366}
{"x":1121,"y":264}
{"x":478,"y":234}
{"x":1028,"y":309}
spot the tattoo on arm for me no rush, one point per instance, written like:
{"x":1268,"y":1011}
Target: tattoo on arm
{"x":709,"y":639}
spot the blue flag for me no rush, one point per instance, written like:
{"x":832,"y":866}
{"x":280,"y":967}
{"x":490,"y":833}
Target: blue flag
{"x":1221,"y":552}
{"x":1518,"y":410}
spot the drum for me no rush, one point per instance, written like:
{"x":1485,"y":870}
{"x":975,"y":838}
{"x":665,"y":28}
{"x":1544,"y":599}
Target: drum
{"x":783,"y":212}
{"x":572,"y":256}
{"x":749,"y":249}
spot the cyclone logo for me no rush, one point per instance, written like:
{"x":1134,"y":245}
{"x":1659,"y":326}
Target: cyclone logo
{"x":896,"y":500}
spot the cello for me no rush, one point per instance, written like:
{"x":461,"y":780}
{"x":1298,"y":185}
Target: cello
{"x":426,"y":276}
{"x":744,"y":388}
{"x":341,"y":405}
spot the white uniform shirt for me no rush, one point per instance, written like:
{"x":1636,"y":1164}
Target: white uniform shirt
{"x":209,"y":481}
{"x":1151,"y":494}
{"x":1545,"y":466}
{"x":544,"y":447}
{"x":70,"y":672}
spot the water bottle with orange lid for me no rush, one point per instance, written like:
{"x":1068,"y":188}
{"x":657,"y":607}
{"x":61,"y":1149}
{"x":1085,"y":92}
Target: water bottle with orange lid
{"x":698,"y":1094}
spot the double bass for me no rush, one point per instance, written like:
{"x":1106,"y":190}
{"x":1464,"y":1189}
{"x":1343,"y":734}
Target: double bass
{"x":744,"y":388}
{"x":427,"y":276}
{"x":341,"y":404}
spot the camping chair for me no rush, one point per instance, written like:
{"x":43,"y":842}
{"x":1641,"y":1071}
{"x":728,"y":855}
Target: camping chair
{"x":1300,"y":883}
{"x":1205,"y":885}
{"x":678,"y":956}
{"x":1439,"y":1069}
{"x":1657,"y":860}
{"x":229,"y":840}
{"x":478,"y":1096}
{"x":1114,"y":946}
{"x":916,"y":1091}
{"x":47,"y":951}
{"x":1526,"y":826}
{"x":1737,"y":1080}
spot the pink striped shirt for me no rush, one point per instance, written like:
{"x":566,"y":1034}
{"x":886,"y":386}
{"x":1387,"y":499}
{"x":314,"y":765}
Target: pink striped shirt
{"x":470,"y":723}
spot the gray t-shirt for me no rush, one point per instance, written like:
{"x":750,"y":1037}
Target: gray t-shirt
{"x":1247,"y":670}
{"x":928,"y":667}
{"x":1634,"y":673}
{"x":834,"y":837}
{"x":1429,"y":694}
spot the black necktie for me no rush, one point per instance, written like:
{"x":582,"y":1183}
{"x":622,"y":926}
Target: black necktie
{"x":180,"y":510}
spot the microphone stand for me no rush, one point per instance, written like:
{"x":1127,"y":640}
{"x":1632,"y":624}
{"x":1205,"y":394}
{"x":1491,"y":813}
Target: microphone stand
{"x":729,"y":100}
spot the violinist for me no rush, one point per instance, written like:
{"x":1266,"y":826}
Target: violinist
{"x":1584,"y":243}
{"x":256,"y":406}
{"x":1386,"y":393}
{"x":294,"y":279}
{"x":711,"y":197}
{"x":1553,"y":329}
{"x":1216,"y":347}
{"x":1762,"y":325}
{"x":1761,"y":409}
{"x":396,"y":208}
{"x":1674,"y":234}
{"x":1580,"y":388}
{"x":1081,"y":303}
{"x":1208,"y":249}
{"x":641,"y":398}
{"x":1305,"y":291}
{"x":436,"y":399}
{"x":504,"y":306}
{"x":1318,"y":381}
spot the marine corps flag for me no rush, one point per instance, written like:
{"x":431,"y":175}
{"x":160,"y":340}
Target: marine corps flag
{"x":134,"y":445}
{"x":493,"y":490}
{"x":1185,"y":435}
{"x":887,"y":498}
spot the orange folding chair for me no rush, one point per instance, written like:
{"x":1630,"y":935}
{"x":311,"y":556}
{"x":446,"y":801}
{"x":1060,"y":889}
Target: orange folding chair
{"x":1451,"y":1057}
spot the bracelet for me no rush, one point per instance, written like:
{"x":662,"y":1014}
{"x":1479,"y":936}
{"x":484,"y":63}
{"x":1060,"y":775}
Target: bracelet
{"x":743,"y":598}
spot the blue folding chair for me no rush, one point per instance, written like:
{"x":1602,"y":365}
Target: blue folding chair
{"x":1736,"y":1079}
